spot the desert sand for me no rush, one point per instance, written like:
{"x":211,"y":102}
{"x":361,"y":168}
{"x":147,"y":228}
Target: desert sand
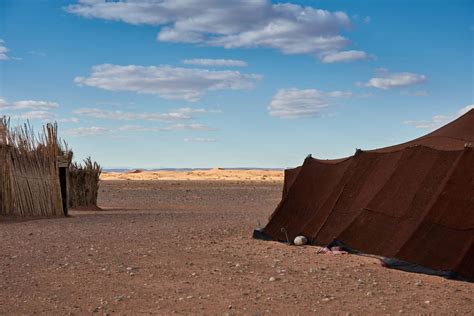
{"x":215,"y":174}
{"x":185,"y":247}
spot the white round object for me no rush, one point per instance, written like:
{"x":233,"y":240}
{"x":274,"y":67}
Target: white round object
{"x":300,"y":240}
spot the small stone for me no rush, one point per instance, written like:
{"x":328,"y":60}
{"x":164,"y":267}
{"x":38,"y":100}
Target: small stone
{"x":300,"y":240}
{"x":272,"y":279}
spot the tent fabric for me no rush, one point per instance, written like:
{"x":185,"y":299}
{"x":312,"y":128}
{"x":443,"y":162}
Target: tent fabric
{"x":289,"y":177}
{"x":413,"y":202}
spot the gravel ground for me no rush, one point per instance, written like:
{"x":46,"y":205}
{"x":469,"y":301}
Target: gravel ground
{"x":185,"y":247}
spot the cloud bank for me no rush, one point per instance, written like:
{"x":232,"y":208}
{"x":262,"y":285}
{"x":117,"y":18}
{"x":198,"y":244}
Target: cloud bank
{"x":28,"y":105}
{"x":386,"y":80}
{"x":215,"y":62}
{"x":91,"y":131}
{"x":176,"y":115}
{"x":166,"y":81}
{"x":288,"y":28}
{"x":295,"y":103}
{"x":345,"y":56}
{"x":439,"y":120}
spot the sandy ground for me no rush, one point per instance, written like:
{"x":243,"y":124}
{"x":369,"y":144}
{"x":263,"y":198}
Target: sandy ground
{"x":185,"y":247}
{"x":199,"y":175}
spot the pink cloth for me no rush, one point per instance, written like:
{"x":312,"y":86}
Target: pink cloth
{"x":331,"y":251}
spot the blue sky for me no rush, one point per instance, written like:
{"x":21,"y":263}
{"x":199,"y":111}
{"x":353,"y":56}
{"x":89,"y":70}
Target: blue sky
{"x":234,"y":83}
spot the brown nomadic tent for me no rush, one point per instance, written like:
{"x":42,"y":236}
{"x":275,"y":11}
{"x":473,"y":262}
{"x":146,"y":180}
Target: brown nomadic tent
{"x":413,"y":201}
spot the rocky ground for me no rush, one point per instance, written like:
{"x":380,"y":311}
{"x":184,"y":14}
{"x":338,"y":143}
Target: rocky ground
{"x":185,"y":247}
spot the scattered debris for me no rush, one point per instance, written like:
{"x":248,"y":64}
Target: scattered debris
{"x":336,"y":250}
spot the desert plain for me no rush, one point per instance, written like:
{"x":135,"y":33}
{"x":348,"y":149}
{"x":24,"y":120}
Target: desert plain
{"x":181,"y":243}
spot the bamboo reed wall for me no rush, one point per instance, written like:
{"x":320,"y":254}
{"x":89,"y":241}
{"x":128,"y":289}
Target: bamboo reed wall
{"x":4,"y":179}
{"x":84,"y":183}
{"x":29,"y":174}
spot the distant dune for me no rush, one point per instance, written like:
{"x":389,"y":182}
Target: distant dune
{"x":215,"y":174}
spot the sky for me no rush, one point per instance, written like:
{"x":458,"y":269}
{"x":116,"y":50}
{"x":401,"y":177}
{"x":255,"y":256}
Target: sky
{"x":251,"y":83}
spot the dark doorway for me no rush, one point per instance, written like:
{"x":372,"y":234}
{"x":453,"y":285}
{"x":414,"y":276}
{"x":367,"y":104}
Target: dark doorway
{"x":63,"y":175}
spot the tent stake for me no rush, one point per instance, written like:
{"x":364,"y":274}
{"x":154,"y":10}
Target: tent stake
{"x":283,"y":230}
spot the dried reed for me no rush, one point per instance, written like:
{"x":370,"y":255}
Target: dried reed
{"x":29,"y":175}
{"x":84,"y":183}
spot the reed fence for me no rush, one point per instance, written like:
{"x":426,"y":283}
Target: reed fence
{"x":84,"y":183}
{"x":29,"y":174}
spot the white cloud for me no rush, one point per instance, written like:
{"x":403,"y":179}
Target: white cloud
{"x":386,"y":80}
{"x":130,"y":116}
{"x":200,"y":140}
{"x":174,"y":127}
{"x":439,"y":120}
{"x":175,"y":115}
{"x":194,"y":110}
{"x":465,"y":109}
{"x":68,"y":120}
{"x":3,"y":51}
{"x":39,"y":110}
{"x":344,"y":56}
{"x":215,"y":62}
{"x":139,"y":128}
{"x":45,"y":116}
{"x":166,"y":81}
{"x":97,"y":131}
{"x":28,"y":104}
{"x":417,"y":93}
{"x":339,"y":94}
{"x":289,"y":28}
{"x":35,"y":115}
{"x":190,"y":127}
{"x":86,"y":131}
{"x":435,"y":122}
{"x":296,"y":103}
